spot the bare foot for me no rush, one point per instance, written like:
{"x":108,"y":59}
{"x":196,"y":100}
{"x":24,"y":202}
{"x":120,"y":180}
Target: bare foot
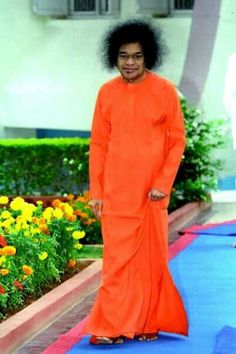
{"x":106,"y":340}
{"x":147,"y":337}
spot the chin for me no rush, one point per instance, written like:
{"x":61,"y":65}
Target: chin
{"x":129,"y":77}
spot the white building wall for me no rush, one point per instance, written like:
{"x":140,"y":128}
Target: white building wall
{"x":51,"y":69}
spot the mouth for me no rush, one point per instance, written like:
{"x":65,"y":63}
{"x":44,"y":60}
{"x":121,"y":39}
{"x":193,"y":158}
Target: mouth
{"x":129,"y":71}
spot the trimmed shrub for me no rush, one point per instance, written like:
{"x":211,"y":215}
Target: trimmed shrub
{"x":197,"y":174}
{"x":43,"y":166}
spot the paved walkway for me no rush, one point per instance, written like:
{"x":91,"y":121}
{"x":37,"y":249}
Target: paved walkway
{"x":218,"y":213}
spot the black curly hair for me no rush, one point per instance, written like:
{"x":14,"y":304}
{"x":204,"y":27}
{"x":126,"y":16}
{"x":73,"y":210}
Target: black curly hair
{"x":132,"y":31}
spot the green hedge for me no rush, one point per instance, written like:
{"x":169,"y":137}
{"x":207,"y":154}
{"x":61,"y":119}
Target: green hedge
{"x":43,"y":166}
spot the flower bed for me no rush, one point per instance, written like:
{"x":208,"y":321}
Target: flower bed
{"x":37,"y":245}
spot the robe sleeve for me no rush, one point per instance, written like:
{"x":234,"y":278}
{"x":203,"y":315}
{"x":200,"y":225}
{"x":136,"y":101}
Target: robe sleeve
{"x":98,"y":150}
{"x":175,"y":143}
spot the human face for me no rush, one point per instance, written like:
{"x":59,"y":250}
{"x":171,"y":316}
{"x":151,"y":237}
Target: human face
{"x":130,"y":62}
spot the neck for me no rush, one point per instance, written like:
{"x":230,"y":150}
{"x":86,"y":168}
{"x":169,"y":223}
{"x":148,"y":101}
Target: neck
{"x":135,"y":81}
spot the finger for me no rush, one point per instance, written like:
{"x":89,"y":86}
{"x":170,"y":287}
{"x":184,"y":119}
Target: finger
{"x":94,"y":208}
{"x":99,"y":211}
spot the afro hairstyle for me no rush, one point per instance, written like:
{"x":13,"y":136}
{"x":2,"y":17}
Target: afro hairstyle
{"x":132,"y":31}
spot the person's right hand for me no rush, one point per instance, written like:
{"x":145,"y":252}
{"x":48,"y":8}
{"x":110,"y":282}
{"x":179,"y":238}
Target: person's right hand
{"x":96,"y":205}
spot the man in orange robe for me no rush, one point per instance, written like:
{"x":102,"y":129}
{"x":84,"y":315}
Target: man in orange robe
{"x":137,"y":142}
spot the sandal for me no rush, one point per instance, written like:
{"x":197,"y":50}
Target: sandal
{"x":106,"y":340}
{"x":147,"y":337}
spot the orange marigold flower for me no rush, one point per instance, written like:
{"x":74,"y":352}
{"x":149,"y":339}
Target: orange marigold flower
{"x":86,"y":195}
{"x":2,"y":290}
{"x":81,"y":199}
{"x":18,"y":285}
{"x":90,"y":221}
{"x":27,"y":270}
{"x":4,"y":271}
{"x":56,"y":203}
{"x":84,"y":215}
{"x":8,"y":251}
{"x":70,"y":197}
{"x":3,"y":241}
{"x":78,"y":212}
{"x":71,"y":218}
{"x":43,"y":228}
{"x":71,"y":263}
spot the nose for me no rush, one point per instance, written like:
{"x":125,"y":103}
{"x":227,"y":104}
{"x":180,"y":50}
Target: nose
{"x":130,"y":60}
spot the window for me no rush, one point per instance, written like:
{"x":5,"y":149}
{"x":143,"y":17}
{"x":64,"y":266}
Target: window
{"x":95,"y":7}
{"x":84,"y":5}
{"x":184,"y":4}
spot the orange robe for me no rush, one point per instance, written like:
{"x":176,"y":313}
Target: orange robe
{"x":136,"y":144}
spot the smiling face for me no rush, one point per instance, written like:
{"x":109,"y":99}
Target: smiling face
{"x":130,"y":62}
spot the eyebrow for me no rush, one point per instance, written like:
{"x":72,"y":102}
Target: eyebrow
{"x":124,"y":52}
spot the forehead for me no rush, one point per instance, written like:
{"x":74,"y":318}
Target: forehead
{"x":130,"y":48}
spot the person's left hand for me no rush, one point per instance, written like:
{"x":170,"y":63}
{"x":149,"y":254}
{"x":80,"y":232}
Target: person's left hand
{"x":156,"y":195}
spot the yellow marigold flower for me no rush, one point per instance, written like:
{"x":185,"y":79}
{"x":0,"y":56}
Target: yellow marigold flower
{"x":39,"y":202}
{"x":24,"y":277}
{"x":34,"y":230}
{"x":17,"y":203}
{"x":71,"y":263}
{"x":78,"y":246}
{"x":78,"y":234}
{"x":4,"y":199}
{"x":2,"y":259}
{"x":68,"y":209}
{"x":58,"y":213}
{"x":21,"y":224}
{"x":7,"y":223}
{"x":42,"y":256}
{"x":27,"y":211}
{"x":4,"y":271}
{"x":48,"y":213}
{"x":5,"y":214}
{"x":27,"y":270}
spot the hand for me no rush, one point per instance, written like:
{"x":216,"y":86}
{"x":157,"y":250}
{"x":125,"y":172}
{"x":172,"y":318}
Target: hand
{"x":156,"y":195}
{"x":96,"y":205}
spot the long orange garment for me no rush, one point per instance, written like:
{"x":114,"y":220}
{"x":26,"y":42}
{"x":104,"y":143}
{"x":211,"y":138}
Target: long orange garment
{"x":136,"y":144}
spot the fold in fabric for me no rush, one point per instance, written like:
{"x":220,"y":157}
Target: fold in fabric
{"x":137,"y":294}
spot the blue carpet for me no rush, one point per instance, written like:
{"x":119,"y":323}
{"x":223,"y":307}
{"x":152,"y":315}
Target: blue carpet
{"x":220,"y":230}
{"x":205,"y":274}
{"x":226,"y":341}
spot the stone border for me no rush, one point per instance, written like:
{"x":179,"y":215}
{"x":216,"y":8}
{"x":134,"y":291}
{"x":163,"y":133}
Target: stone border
{"x":22,"y":326}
